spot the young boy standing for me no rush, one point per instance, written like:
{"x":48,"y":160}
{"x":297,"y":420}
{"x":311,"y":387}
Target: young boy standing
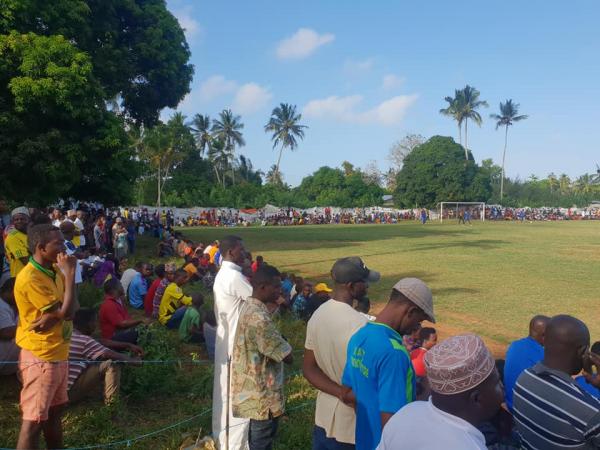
{"x":258,"y":353}
{"x":45,"y":297}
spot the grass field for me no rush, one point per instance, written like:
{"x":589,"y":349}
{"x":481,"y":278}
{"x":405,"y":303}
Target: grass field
{"x":489,"y":279}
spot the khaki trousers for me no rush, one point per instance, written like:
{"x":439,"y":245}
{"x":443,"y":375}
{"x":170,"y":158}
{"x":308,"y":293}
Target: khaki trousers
{"x":92,"y":377}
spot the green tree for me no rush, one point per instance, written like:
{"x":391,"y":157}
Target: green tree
{"x":509,"y":114}
{"x":456,"y":111}
{"x":286,"y":129}
{"x":470,"y":103}
{"x":201,"y":129}
{"x":274,"y":176}
{"x":436,"y":171}
{"x":227,"y":129}
{"x":164,"y":147}
{"x":219,"y":158}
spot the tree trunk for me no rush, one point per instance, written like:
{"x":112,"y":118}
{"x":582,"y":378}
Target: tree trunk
{"x":460,"y":133}
{"x":277,"y":177}
{"x":466,"y":141}
{"x":217,"y":173}
{"x":158,"y":193}
{"x":503,"y":158}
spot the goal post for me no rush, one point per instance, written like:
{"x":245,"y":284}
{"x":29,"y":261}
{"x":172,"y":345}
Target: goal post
{"x":452,"y":209}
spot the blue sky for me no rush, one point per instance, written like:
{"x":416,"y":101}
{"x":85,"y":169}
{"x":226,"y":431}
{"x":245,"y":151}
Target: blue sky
{"x":366,"y":73}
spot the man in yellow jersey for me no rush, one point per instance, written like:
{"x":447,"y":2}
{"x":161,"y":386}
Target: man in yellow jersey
{"x":15,"y":244}
{"x":45,"y":297}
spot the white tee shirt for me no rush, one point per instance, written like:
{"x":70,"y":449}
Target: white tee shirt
{"x":327,"y":335}
{"x":127,"y":278}
{"x":421,"y":426}
{"x":79,"y":225}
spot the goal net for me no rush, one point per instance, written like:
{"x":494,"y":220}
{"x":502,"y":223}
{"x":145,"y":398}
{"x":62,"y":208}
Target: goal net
{"x":462,"y":210}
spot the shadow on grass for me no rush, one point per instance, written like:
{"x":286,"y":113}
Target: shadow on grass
{"x":454,"y":290}
{"x":483,"y":244}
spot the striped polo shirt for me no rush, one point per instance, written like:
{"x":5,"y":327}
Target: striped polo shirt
{"x":552,"y":412}
{"x":82,"y":348}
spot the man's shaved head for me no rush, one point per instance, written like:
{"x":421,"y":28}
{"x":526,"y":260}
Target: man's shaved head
{"x":537,"y":328}
{"x":566,"y":342}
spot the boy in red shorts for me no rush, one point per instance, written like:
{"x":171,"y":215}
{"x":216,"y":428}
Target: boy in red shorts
{"x":45,"y":297}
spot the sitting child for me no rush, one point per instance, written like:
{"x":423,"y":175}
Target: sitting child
{"x":190,"y":329}
{"x":428,"y":338}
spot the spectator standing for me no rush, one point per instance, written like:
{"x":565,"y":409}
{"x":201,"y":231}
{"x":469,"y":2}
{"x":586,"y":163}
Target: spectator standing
{"x":523,"y":354}
{"x":465,"y":391}
{"x":378,"y":367}
{"x":85,"y":376}
{"x":99,"y":234}
{"x":15,"y":243}
{"x":68,"y":230}
{"x":131,"y":232}
{"x":79,"y":225}
{"x":231,"y":289}
{"x":258,"y":353}
{"x":46,"y":302}
{"x":550,"y":409}
{"x":9,"y":351}
{"x":327,"y":335}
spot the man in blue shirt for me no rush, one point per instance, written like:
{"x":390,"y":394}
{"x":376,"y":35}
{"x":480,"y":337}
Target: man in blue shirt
{"x":378,"y":367}
{"x":523,"y":354}
{"x":138,"y":286}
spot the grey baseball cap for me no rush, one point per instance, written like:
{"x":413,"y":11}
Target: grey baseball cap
{"x":352,"y":270}
{"x":419,"y":293}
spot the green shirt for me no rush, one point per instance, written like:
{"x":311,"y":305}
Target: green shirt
{"x":190,"y":319}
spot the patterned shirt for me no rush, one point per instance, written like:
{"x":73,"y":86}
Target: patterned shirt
{"x":82,"y":348}
{"x":257,"y":369}
{"x":552,"y":412}
{"x":158,"y":295}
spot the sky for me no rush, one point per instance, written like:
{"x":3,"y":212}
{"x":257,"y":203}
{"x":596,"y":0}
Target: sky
{"x":363,"y":74}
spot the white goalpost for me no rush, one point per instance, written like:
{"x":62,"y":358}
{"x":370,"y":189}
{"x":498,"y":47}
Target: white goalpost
{"x":453,"y":208}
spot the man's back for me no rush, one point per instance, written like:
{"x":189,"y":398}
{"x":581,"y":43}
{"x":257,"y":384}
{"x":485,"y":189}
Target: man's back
{"x":552,"y":412}
{"x":327,"y":335}
{"x":521,"y":355}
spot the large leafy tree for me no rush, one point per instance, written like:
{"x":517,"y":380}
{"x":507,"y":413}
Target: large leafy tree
{"x":436,"y":171}
{"x":286,"y":129}
{"x":509,"y":114}
{"x":228,"y":129}
{"x":61,"y":64}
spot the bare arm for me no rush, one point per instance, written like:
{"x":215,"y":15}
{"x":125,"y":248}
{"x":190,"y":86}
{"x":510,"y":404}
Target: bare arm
{"x":116,"y":356}
{"x":70,"y":303}
{"x":122,"y":346}
{"x":129,"y":323}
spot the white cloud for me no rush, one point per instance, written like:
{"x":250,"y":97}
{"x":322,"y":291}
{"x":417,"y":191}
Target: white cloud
{"x":251,"y":97}
{"x":216,"y":86}
{"x":190,"y":25}
{"x":391,"y":81}
{"x":346,"y":109}
{"x":302,"y":43}
{"x":357,"y":66}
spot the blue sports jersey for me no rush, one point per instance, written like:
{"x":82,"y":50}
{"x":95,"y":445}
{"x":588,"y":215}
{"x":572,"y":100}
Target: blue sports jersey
{"x":379,"y":371}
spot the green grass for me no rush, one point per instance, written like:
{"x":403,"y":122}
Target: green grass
{"x":489,"y":279}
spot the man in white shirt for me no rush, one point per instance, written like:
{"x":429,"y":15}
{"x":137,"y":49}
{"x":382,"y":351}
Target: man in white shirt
{"x":231,"y":289}
{"x":327,"y":335}
{"x":465,"y":391}
{"x":78,"y":221}
{"x":9,"y":351}
{"x":128,"y":276}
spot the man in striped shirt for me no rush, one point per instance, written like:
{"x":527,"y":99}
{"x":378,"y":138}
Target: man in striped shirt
{"x":84,"y":376}
{"x":550,"y":410}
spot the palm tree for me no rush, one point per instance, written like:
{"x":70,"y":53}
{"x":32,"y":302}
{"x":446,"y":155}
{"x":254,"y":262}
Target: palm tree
{"x":285,"y":128}
{"x":564,"y":183}
{"x":456,"y":111}
{"x":219,"y":159}
{"x":273,"y":176}
{"x":227,"y":129}
{"x":470,"y":105}
{"x":201,"y":129}
{"x":553,"y":182}
{"x":509,"y":114}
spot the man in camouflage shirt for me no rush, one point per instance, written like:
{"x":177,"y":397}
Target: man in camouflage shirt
{"x":258,"y":353}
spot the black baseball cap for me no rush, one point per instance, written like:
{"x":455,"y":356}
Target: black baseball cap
{"x":352,"y":270}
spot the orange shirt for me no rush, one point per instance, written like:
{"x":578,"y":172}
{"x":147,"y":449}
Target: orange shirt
{"x":417,"y":358}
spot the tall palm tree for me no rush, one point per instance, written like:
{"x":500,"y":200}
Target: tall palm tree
{"x":564,"y":183}
{"x":455,"y":110}
{"x":219,"y":159}
{"x":286,"y":129}
{"x":470,"y":105}
{"x":227,"y":129}
{"x":273,"y":176}
{"x":509,"y":114}
{"x":201,"y":129}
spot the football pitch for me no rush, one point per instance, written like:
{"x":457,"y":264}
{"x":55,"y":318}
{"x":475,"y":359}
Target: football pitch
{"x":488,"y":278}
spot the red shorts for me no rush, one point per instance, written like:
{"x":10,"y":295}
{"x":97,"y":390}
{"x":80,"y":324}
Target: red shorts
{"x":44,"y":385}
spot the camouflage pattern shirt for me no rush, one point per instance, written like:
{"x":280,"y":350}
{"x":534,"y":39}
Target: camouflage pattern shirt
{"x":257,"y":368}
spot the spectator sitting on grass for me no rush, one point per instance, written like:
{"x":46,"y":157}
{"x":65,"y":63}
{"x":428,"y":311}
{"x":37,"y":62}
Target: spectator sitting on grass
{"x":192,"y":270}
{"x":9,"y":351}
{"x":115,"y":322}
{"x":209,"y":331}
{"x":139,"y":285}
{"x":321,"y":295}
{"x":581,"y":380}
{"x":160,"y":290}
{"x":190,"y":329}
{"x":173,"y":303}
{"x":428,"y":338}
{"x":149,"y":297}
{"x":85,"y":376}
